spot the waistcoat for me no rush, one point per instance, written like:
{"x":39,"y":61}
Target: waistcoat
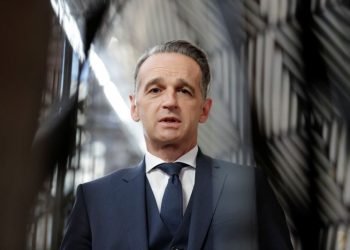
{"x":159,"y":237}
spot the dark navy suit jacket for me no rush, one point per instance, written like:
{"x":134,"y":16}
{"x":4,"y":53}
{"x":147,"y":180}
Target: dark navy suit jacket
{"x":233,"y":208}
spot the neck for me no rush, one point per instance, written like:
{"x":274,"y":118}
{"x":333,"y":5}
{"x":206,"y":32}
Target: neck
{"x":169,"y":153}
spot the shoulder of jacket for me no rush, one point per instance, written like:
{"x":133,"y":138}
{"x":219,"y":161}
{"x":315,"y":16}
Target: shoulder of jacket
{"x":114,"y":177}
{"x":231,"y":165}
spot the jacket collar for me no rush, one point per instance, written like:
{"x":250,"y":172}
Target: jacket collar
{"x":134,"y":205}
{"x":208,"y":185}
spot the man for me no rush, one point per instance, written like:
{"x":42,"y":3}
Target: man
{"x":208,"y":204}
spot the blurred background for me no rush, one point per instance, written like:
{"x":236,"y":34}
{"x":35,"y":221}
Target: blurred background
{"x":281,"y":90}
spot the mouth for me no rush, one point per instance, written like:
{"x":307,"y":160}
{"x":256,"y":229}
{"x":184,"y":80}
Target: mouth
{"x":170,"y":120}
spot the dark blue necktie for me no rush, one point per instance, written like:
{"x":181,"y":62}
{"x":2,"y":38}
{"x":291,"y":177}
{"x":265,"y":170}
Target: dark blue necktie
{"x":171,"y":210}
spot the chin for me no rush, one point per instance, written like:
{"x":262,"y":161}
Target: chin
{"x":168,"y":140}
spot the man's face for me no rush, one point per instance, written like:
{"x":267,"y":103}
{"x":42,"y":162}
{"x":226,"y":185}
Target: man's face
{"x":168,"y":100}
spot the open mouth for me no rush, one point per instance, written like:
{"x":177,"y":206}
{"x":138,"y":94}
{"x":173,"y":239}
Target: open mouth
{"x":170,"y":120}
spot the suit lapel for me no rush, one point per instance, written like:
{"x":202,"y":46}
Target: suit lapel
{"x":134,"y":204}
{"x":208,"y":185}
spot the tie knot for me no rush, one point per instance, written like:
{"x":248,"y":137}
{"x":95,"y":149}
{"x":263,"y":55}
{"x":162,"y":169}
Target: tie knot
{"x":172,"y":168}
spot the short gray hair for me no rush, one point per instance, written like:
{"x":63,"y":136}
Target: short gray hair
{"x":185,"y":48}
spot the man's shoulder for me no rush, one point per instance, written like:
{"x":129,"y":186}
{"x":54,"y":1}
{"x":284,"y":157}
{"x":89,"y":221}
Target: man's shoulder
{"x":113,"y":178}
{"x":231,"y":166}
{"x":247,"y":172}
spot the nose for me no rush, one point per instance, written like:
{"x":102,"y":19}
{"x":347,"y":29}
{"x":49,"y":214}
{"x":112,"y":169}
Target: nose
{"x":170,"y":100}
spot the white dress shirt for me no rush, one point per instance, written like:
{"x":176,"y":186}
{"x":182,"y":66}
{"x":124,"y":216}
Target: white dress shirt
{"x":158,"y":180}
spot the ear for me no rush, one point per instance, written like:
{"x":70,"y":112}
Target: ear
{"x":205,"y":110}
{"x":133,"y":108}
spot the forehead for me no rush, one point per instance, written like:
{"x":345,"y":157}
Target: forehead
{"x":169,"y":65}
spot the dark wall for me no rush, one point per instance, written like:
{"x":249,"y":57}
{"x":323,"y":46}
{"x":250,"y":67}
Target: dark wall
{"x":24,"y":29}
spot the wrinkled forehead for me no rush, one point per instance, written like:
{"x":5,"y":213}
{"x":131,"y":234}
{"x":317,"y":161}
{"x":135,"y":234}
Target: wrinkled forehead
{"x":170,"y":65}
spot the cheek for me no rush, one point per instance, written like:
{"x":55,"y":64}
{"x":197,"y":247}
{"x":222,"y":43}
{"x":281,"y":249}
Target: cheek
{"x":193,"y":118}
{"x":147,"y":113}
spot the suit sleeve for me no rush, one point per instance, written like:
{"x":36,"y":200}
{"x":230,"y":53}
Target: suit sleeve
{"x":78,"y":234}
{"x":272,"y":227}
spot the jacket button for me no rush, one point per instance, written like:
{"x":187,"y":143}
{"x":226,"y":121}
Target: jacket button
{"x":175,"y":248}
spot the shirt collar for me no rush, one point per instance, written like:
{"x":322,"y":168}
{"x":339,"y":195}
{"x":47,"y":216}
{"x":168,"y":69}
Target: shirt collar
{"x":189,"y":158}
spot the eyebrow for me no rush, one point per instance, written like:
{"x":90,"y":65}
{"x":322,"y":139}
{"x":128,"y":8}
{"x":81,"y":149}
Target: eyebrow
{"x":153,"y":82}
{"x":185,"y":84}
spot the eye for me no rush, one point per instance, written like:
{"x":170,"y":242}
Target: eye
{"x":185,"y":91}
{"x":154,"y":90}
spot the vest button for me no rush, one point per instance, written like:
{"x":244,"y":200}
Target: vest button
{"x":175,"y":248}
